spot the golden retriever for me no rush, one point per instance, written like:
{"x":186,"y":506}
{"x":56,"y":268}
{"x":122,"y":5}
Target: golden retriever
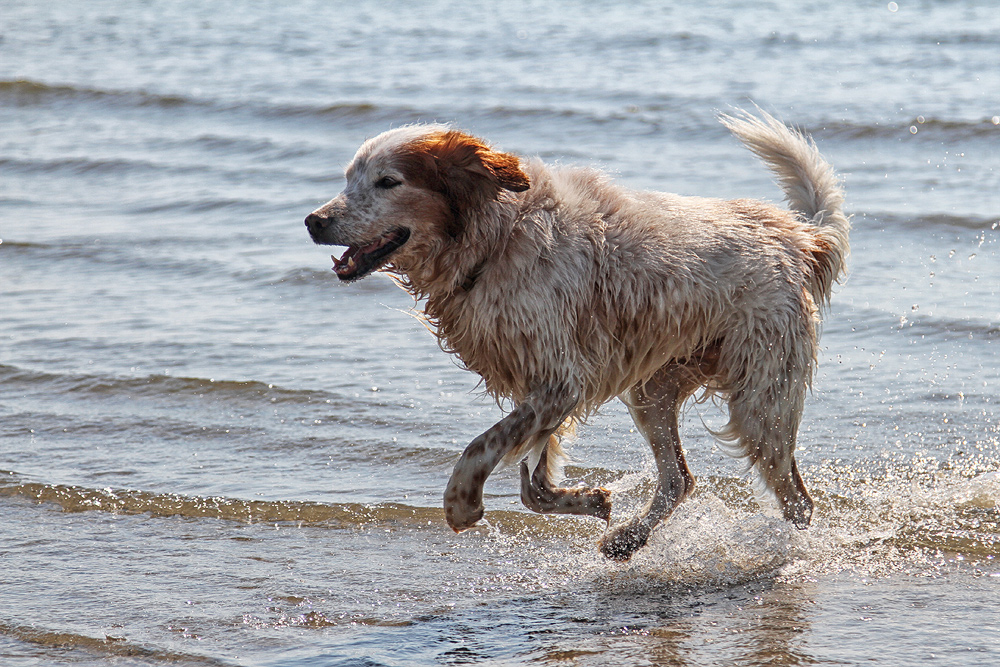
{"x":564,"y":290}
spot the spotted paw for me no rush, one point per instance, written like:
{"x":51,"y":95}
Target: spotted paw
{"x":599,"y":501}
{"x":462,"y":515}
{"x":623,"y":541}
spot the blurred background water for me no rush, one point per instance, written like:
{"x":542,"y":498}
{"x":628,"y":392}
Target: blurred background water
{"x":212,"y":453}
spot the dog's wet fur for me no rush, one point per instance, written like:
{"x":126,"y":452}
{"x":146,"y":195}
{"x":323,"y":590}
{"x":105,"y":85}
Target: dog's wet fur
{"x":564,"y":290}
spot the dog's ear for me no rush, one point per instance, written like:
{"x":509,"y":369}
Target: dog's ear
{"x":465,"y":170}
{"x":466,"y":163}
{"x":503,"y":169}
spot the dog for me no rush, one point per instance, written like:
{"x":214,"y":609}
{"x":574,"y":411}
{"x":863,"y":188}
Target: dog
{"x":564,"y":290}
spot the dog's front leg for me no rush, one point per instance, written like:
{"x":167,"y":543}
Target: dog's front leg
{"x":540,"y":413}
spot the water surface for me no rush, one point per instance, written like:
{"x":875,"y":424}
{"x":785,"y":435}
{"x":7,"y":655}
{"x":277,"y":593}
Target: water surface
{"x":214,"y":454}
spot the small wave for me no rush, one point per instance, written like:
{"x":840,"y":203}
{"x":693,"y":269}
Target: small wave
{"x":976,"y":38}
{"x":14,"y":246}
{"x":950,"y":329}
{"x":25,"y":92}
{"x":927,"y":515}
{"x":932,"y":221}
{"x":915,"y":128}
{"x":122,"y":258}
{"x":112,"y":646}
{"x":156,"y":386}
{"x":870,"y":321}
{"x":96,"y":165}
{"x":76,"y":165}
{"x":201,"y":205}
{"x":649,"y":116}
{"x":71,"y":498}
{"x":335,"y":111}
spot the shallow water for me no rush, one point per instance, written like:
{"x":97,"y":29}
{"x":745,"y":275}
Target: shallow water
{"x":213,"y":454}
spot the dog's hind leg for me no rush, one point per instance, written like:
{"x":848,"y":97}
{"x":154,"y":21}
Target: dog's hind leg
{"x":654,"y":406}
{"x":764,"y":422}
{"x":534,"y":418}
{"x":766,"y":408}
{"x":540,"y":494}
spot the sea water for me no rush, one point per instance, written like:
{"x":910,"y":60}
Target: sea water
{"x":212,"y":453}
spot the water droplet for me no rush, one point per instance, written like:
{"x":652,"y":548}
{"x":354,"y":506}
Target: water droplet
{"x":893,"y":7}
{"x":913,"y":129}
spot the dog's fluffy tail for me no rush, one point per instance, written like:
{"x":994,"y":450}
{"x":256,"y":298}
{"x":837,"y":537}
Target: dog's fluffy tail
{"x":810,"y":185}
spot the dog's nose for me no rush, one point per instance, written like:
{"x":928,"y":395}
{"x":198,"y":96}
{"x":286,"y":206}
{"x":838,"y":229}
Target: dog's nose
{"x":315,"y":223}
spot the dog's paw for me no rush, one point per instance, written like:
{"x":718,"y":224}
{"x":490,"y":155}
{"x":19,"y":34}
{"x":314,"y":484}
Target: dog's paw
{"x":599,"y":500}
{"x":800,"y":514}
{"x":623,"y":541}
{"x":798,"y":509}
{"x":462,"y":516}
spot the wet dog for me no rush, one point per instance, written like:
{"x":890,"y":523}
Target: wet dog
{"x":564,"y":290}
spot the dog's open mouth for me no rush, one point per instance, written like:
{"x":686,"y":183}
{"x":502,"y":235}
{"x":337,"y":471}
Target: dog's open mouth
{"x":359,"y":261}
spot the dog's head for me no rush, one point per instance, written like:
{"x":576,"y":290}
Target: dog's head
{"x":408,"y":191}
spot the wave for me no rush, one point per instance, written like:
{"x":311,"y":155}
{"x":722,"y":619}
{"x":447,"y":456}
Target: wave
{"x":164,"y":256}
{"x":938,"y":129}
{"x":950,"y":329}
{"x":97,"y":165}
{"x":169,"y":256}
{"x":204,"y":205}
{"x":360,"y":433}
{"x":156,"y":386}
{"x":870,"y":516}
{"x":651,"y":114}
{"x":72,"y":498}
{"x":929,"y":221}
{"x":655,"y":114}
{"x":205,"y":168}
{"x":870,"y":321}
{"x":25,"y":92}
{"x":123,"y":259}
{"x":58,"y":642}
{"x":77,"y":165}
{"x":975,"y":38}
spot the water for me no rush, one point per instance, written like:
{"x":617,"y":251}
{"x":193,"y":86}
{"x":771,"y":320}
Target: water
{"x":213,"y":454}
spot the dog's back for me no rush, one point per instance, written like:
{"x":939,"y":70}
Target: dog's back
{"x":614,"y":281}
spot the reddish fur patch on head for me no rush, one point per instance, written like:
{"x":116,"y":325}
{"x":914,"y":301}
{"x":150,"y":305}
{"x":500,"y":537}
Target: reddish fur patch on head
{"x":462,"y":168}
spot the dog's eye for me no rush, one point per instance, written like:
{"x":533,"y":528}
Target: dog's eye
{"x":387,"y":182}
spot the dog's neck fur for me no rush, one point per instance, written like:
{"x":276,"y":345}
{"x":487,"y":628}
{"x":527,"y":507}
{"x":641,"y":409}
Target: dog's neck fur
{"x":456,"y":264}
{"x":449,"y":280}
